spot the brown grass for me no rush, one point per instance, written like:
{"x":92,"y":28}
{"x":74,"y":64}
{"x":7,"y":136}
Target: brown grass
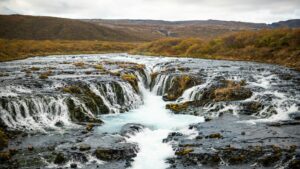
{"x":20,"y":49}
{"x":276,"y":46}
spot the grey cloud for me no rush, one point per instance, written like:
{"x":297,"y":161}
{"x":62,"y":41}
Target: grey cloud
{"x":244,"y":10}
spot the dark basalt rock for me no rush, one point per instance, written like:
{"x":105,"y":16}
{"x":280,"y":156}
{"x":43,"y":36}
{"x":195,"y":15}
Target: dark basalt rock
{"x":131,"y":129}
{"x":116,"y":152}
{"x":60,"y":158}
{"x":295,"y":115}
{"x":179,"y":84}
{"x":249,"y":108}
{"x":84,"y":147}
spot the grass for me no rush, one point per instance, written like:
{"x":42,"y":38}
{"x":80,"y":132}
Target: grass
{"x":275,"y":46}
{"x":20,"y":49}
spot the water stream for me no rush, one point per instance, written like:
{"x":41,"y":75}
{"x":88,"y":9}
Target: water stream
{"x":55,"y":114}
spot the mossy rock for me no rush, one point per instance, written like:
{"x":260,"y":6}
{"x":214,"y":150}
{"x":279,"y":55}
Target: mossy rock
{"x":184,"y":151}
{"x":72,"y":89}
{"x":132,"y":79}
{"x":45,"y":75}
{"x":231,"y":92}
{"x":215,"y":135}
{"x":5,"y":156}
{"x":177,"y":107}
{"x":3,"y":139}
{"x":178,"y":85}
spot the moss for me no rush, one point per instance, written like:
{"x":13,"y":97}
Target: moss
{"x":232,"y":91}
{"x":153,"y":76}
{"x":132,"y":79}
{"x":2,"y":74}
{"x":79,"y":64}
{"x":72,"y":89}
{"x":3,"y":139}
{"x":177,"y":107}
{"x":45,"y":75}
{"x":179,"y":85}
{"x":237,"y":159}
{"x":99,"y":67}
{"x":89,"y":127}
{"x":215,"y":135}
{"x":35,"y":68}
{"x":5,"y":156}
{"x":184,"y":151}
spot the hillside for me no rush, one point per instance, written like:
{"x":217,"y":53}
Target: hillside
{"x":278,"y":46}
{"x":205,"y":29}
{"x":41,"y":28}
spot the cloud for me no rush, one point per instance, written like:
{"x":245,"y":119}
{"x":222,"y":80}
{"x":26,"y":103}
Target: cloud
{"x":246,"y":10}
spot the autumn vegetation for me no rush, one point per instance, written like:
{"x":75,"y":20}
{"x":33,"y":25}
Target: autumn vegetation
{"x":20,"y":49}
{"x":276,"y":46}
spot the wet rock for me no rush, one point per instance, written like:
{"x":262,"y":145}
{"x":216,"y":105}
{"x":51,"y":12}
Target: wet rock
{"x":132,"y":79}
{"x":249,"y":108}
{"x":60,"y":158}
{"x":30,"y":148}
{"x":131,"y":129}
{"x":84,"y":147}
{"x":5,"y":156}
{"x":3,"y":139}
{"x":59,"y":124}
{"x":73,"y":165}
{"x":116,"y":152}
{"x":184,"y":151}
{"x":178,"y":85}
{"x":89,"y":127}
{"x":215,"y":135}
{"x":177,"y":107}
{"x":295,"y":115}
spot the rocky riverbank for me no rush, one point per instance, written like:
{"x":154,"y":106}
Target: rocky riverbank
{"x":89,"y":111}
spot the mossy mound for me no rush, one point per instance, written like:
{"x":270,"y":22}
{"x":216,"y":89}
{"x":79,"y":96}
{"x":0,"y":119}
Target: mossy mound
{"x":45,"y":75}
{"x":184,"y":151}
{"x":178,"y":85}
{"x":232,"y":91}
{"x":177,"y":107}
{"x":132,"y":79}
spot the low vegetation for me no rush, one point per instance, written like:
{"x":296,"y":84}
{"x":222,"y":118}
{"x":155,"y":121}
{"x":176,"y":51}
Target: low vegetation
{"x":20,"y":49}
{"x":278,"y":46}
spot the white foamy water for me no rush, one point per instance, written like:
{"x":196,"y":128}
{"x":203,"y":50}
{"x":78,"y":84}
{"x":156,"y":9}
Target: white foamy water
{"x":159,"y":122}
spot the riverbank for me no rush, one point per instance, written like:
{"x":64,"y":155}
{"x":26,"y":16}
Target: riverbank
{"x":278,"y":46}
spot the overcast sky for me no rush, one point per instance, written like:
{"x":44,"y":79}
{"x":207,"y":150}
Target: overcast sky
{"x":239,"y":10}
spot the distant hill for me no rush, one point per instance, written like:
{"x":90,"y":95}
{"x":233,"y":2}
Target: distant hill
{"x":41,"y":28}
{"x":294,"y":23}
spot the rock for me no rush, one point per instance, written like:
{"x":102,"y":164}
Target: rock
{"x":30,"y":147}
{"x":295,"y":115}
{"x":215,"y":135}
{"x":3,"y":139}
{"x":116,"y":152}
{"x":84,"y":147}
{"x":249,"y":108}
{"x":131,"y":129}
{"x":269,"y":159}
{"x":60,"y":158}
{"x":59,"y":124}
{"x":89,"y":127}
{"x":5,"y":156}
{"x":179,"y":84}
{"x":73,"y":165}
{"x":177,"y":107}
{"x":183,"y":151}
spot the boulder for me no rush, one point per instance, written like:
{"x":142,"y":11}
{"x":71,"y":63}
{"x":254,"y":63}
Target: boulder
{"x":131,"y":129}
{"x":84,"y":147}
{"x":295,"y":115}
{"x":178,"y":85}
{"x":60,"y":158}
{"x":117,"y":152}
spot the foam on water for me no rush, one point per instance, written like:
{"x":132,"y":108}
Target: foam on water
{"x":159,"y":122}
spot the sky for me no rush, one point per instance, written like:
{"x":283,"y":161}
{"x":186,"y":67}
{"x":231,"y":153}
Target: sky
{"x":259,"y":11}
